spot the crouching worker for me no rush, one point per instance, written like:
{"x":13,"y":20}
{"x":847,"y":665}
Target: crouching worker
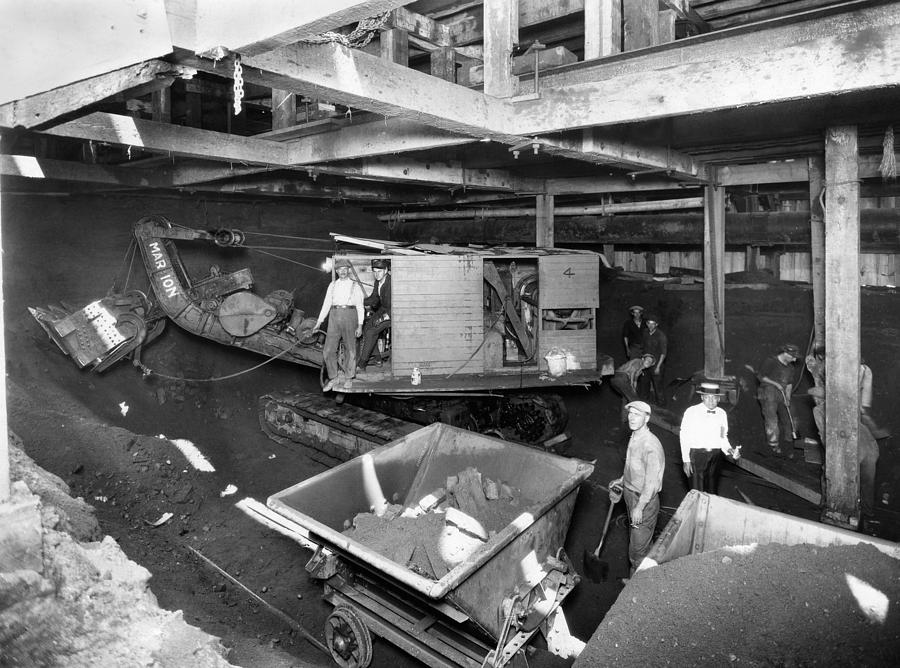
{"x":343,"y":306}
{"x":641,"y":482}
{"x":624,"y":380}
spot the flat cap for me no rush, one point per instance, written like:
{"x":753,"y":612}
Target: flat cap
{"x":636,"y":307}
{"x":380,"y":264}
{"x":640,"y":406}
{"x":791,"y":349}
{"x":341,"y":262}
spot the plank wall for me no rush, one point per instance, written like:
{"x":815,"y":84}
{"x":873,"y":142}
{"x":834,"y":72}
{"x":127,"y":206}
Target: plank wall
{"x":569,"y":281}
{"x":437,"y":312}
{"x":880,"y":269}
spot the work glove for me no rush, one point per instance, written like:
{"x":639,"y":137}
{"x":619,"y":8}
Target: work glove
{"x":615,"y":491}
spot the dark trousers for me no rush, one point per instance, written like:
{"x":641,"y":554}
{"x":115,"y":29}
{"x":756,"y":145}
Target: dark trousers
{"x":371,"y":332}
{"x":706,"y":465}
{"x":775,"y":415}
{"x":621,"y":383}
{"x":342,"y":323}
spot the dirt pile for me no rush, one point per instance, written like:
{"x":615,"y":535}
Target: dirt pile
{"x":769,"y":605}
{"x":69,"y":600}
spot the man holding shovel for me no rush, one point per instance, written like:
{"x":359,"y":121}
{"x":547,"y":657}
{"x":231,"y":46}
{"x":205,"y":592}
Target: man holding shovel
{"x":641,"y":481}
{"x":776,"y":378}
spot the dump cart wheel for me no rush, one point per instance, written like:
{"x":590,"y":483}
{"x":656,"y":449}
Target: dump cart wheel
{"x":348,"y":639}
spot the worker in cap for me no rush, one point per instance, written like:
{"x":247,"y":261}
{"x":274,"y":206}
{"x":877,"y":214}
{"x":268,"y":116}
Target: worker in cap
{"x":656,"y":343}
{"x":776,"y":383}
{"x":633,"y":332}
{"x":641,"y":481}
{"x":704,"y":439}
{"x":378,"y":311}
{"x":343,"y":306}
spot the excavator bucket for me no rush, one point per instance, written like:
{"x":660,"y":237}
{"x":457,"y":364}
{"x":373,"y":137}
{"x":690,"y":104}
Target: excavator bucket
{"x":98,"y":334}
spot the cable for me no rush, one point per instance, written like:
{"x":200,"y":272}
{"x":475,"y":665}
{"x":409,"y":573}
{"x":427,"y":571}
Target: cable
{"x":148,"y":371}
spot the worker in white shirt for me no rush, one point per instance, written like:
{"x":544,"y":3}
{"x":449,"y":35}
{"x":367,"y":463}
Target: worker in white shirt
{"x":343,"y":306}
{"x":704,"y":440}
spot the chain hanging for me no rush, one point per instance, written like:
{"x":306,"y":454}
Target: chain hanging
{"x":361,"y":35}
{"x":238,"y":85}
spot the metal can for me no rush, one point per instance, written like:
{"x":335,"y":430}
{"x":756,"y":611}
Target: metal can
{"x":416,"y":376}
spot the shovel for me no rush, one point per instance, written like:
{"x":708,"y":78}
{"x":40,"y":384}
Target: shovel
{"x":595,"y":568}
{"x":787,"y":405}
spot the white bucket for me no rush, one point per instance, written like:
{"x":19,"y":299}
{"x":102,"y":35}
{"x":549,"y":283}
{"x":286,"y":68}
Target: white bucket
{"x":572,"y":363}
{"x":556,"y":363}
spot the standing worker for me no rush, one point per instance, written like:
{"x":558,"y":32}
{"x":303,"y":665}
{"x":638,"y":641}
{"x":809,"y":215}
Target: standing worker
{"x":641,"y":482}
{"x":378,"y":311}
{"x":656,"y":343}
{"x":343,"y":306}
{"x":776,"y":382}
{"x":633,"y":332}
{"x":704,"y":440}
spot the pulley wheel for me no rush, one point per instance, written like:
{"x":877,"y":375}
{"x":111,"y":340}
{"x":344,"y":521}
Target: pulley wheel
{"x":348,"y":639}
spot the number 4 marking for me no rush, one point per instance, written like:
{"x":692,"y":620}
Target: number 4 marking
{"x":568,"y":272}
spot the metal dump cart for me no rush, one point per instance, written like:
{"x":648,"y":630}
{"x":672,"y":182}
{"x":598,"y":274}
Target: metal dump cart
{"x":488,"y":606}
{"x":705,"y":522}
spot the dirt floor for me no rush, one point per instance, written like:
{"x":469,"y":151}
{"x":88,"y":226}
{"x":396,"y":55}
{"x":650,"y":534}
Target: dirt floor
{"x":75,"y":424}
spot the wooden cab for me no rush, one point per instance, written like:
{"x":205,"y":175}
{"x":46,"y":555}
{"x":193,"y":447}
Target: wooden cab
{"x":468,"y":319}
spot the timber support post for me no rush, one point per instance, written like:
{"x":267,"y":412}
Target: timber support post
{"x":817,"y":245}
{"x":714,"y":278}
{"x":842,"y":311}
{"x":545,"y":236}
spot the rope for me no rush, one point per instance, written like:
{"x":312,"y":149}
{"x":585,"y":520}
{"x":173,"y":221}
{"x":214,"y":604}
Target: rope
{"x":475,"y":352}
{"x":147,"y":371}
{"x":286,"y":259}
{"x":286,"y":236}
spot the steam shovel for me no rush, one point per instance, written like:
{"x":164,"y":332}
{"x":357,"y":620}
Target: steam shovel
{"x":595,"y":568}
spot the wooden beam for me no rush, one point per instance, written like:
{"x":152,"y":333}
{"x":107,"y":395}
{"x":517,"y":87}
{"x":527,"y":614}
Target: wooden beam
{"x":161,"y":105}
{"x":42,"y":168}
{"x":366,"y":140}
{"x":53,"y":43}
{"x":678,"y":230}
{"x":665,"y":27}
{"x":594,"y":146}
{"x":284,"y":109}
{"x":445,"y":173}
{"x":243,"y":28}
{"x":349,"y":76}
{"x":395,"y":46}
{"x":305,"y":187}
{"x":842,"y":327}
{"x":602,"y":28}
{"x":44,"y":108}
{"x":835,"y":54}
{"x":423,"y":27}
{"x":639,"y":24}
{"x":443,"y":64}
{"x":501,"y":18}
{"x":817,"y":245}
{"x":544,"y":236}
{"x":172,"y":139}
{"x":467,"y":25}
{"x":714,"y":279}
